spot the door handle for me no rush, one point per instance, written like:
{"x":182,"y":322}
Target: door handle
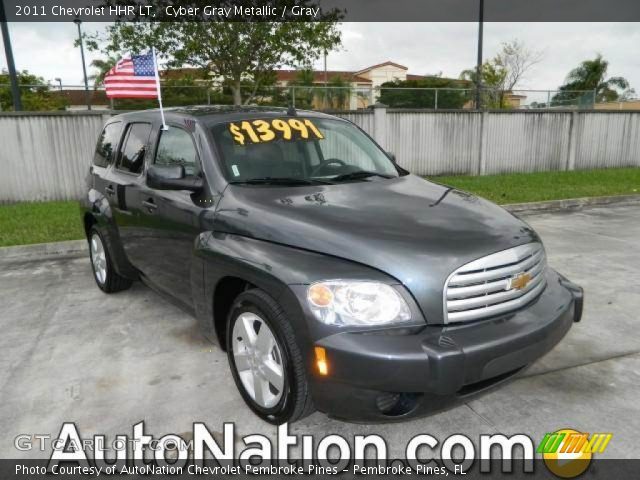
{"x":150,"y":204}
{"x":109,"y":190}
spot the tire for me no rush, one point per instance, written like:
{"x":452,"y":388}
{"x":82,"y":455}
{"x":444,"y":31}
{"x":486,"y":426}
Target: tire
{"x":252,"y":310}
{"x":105,"y":275}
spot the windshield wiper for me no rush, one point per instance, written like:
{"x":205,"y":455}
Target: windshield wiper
{"x":360,"y":174}
{"x":280,"y":181}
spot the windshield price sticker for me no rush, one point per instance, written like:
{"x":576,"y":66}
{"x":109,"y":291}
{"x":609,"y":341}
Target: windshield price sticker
{"x":263,"y":131}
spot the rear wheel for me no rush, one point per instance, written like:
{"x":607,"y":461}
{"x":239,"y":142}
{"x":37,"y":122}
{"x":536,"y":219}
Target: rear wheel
{"x":265,"y":359}
{"x":107,"y":279}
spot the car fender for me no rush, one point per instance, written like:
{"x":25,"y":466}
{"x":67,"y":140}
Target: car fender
{"x":280,"y":270}
{"x":96,"y":206}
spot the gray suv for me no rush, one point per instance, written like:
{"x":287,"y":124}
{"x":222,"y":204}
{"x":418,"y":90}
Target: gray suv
{"x":333,"y":278}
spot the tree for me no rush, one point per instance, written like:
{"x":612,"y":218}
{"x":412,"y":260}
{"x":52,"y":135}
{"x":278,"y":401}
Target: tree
{"x":235,"y":51}
{"x":590,"y":76}
{"x":492,"y":80}
{"x":501,"y":74}
{"x":35,"y":93}
{"x":103,"y":66}
{"x":304,"y":91}
{"x":339,"y":93}
{"x":628,"y":94}
{"x":516,"y":60}
{"x":397,"y":94}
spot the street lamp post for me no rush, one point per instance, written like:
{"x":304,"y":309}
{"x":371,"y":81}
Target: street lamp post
{"x":13,"y":77}
{"x":324,"y":103}
{"x":479,"y":64}
{"x":59,"y":80}
{"x":77,"y":21}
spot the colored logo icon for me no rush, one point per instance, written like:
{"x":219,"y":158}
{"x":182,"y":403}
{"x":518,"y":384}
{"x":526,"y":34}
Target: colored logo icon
{"x":567,"y":453}
{"x":519,"y":281}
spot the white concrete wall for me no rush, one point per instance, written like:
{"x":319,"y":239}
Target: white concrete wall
{"x":467,"y":142}
{"x":46,"y":156}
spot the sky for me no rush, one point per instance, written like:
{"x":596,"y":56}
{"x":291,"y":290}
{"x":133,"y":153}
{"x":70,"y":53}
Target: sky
{"x":47,"y":50}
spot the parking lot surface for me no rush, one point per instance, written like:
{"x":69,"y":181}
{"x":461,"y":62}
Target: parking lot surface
{"x":68,"y":352}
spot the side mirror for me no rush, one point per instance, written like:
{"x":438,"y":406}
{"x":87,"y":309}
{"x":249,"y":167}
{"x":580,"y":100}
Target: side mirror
{"x":172,"y":177}
{"x":392,"y":156}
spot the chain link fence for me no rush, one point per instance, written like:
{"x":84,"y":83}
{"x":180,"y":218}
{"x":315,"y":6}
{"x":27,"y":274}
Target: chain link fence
{"x":316,"y":97}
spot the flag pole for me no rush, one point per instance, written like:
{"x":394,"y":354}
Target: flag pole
{"x":157,"y":74}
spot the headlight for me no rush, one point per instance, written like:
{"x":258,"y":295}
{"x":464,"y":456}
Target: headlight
{"x":340,"y":302}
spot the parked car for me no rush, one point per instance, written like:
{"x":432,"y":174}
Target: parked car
{"x":334,"y":279}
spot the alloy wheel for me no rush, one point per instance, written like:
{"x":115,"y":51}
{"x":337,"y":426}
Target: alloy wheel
{"x":98,"y":258}
{"x":258,"y":360}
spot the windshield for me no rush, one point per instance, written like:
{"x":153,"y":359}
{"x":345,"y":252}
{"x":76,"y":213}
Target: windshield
{"x":299,"y":151}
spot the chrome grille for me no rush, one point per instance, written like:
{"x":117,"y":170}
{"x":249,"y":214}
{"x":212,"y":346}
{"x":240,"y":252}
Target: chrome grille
{"x":489,"y":286}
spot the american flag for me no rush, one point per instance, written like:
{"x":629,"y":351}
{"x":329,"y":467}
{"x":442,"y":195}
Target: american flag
{"x":133,"y":77}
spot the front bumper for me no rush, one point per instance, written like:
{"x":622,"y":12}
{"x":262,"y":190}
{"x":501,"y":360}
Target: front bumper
{"x":392,"y":374}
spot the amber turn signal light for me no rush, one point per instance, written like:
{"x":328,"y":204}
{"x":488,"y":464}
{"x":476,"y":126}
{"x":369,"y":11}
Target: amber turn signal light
{"x":320,"y":295}
{"x":321,"y":361}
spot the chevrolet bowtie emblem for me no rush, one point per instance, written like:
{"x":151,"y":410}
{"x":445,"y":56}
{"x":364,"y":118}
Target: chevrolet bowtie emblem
{"x":520,"y":281}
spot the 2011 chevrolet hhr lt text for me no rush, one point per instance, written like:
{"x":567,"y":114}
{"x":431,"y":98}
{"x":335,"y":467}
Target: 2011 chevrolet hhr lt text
{"x":334,"y":279}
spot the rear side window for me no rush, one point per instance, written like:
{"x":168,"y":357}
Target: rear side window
{"x":176,"y":148}
{"x":107,"y":144}
{"x":134,"y":148}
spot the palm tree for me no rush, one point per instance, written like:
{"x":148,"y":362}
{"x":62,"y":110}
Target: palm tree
{"x":340,"y":93}
{"x":590,"y":76}
{"x":103,"y":66}
{"x":304,"y":96}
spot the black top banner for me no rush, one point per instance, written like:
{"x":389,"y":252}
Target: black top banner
{"x":319,"y":10}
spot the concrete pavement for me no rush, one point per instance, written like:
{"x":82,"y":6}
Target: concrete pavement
{"x":68,"y":352}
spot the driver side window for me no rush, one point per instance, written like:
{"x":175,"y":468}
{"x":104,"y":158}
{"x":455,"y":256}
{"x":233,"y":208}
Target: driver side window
{"x":337,"y":145}
{"x":176,"y":148}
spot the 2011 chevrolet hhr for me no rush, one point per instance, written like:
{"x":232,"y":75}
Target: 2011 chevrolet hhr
{"x":334,"y":279}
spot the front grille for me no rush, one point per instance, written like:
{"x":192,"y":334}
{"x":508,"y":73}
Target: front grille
{"x":485,"y":287}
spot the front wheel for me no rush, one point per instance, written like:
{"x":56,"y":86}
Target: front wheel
{"x":265,"y":359}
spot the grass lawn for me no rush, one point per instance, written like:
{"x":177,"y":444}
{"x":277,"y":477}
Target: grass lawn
{"x":26,"y":223}
{"x":537,"y":187}
{"x":41,"y":222}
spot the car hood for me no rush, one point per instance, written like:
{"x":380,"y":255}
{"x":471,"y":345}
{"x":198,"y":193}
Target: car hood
{"x":409,"y":228}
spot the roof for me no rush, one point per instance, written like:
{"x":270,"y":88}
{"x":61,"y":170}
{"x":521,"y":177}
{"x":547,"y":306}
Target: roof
{"x":177,"y":73}
{"x":411,"y":76}
{"x":318,"y":76}
{"x":461,"y":83}
{"x":78,"y":97}
{"x":213,"y":114}
{"x":285,"y":75}
{"x":378,"y":65}
{"x":281,"y":75}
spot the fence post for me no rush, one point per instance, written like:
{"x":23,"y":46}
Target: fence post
{"x":571,"y":152}
{"x":380,"y":124}
{"x":436,"y":100}
{"x":483,"y":143}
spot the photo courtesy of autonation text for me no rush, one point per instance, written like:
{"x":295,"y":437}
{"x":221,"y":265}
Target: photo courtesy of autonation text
{"x":319,"y":238}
